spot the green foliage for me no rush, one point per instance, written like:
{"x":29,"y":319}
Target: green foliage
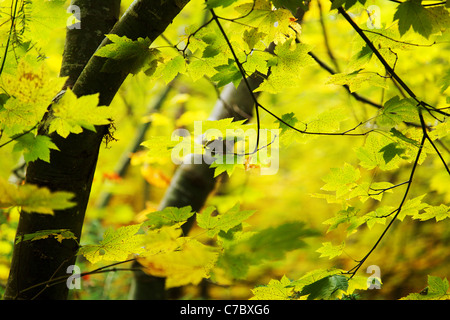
{"x":396,"y":111}
{"x":223,"y":222}
{"x":72,"y":114}
{"x":116,"y":245}
{"x":325,"y":288}
{"x":411,"y":13}
{"x":268,"y":244}
{"x":286,"y":66}
{"x":33,"y":199}
{"x":437,"y":289}
{"x":375,"y":155}
{"x":34,"y":147}
{"x":316,"y":285}
{"x":168,"y":216}
{"x":126,"y":55}
{"x":59,"y":235}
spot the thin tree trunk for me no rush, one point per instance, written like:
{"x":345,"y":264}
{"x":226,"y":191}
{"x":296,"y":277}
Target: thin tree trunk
{"x":72,"y":168}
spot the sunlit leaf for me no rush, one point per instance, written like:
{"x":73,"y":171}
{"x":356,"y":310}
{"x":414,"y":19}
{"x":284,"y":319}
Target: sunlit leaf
{"x":117,"y":245}
{"x":33,"y":199}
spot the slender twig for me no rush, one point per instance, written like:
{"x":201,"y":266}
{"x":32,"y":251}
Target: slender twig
{"x":242,"y":71}
{"x":386,"y":189}
{"x":399,"y":41}
{"x":425,"y":133}
{"x":258,"y":105}
{"x":355,"y":95}
{"x":326,"y":40}
{"x":383,"y":61}
{"x":13,"y":19}
{"x":398,"y":210}
{"x":54,"y":281}
{"x":19,"y":136}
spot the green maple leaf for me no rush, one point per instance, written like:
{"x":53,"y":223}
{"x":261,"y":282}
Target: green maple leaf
{"x":72,"y":114}
{"x":341,"y":180}
{"x":390,"y":151}
{"x":286,"y":66}
{"x":357,"y":79}
{"x":274,"y":290}
{"x":126,"y":55}
{"x":328,"y":250}
{"x":272,"y":243}
{"x":325,"y":288}
{"x":226,"y":74}
{"x":173,"y":68}
{"x":291,"y":5}
{"x":370,"y":155}
{"x":222,"y":222}
{"x":169,"y":216}
{"x":348,"y":216}
{"x":288,"y":118}
{"x":397,"y":110}
{"x":34,"y":147}
{"x":227,"y":163}
{"x":266,"y":245}
{"x":348,"y":3}
{"x":411,"y":13}
{"x":116,"y":245}
{"x":437,"y":289}
{"x":211,"y":4}
{"x":438,"y":212}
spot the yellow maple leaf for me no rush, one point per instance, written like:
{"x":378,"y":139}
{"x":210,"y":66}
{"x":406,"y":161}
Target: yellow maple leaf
{"x":189,"y":265}
{"x":117,"y":245}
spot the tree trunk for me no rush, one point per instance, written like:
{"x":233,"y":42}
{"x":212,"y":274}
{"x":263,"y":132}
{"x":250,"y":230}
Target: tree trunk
{"x":72,"y":168}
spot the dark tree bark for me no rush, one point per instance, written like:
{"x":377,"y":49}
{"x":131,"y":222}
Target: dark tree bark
{"x":72,"y":168}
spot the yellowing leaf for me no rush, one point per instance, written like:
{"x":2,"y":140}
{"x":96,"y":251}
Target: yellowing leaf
{"x":33,"y":199}
{"x":330,"y":251}
{"x":155,"y":176}
{"x":371,"y":156}
{"x":59,"y":235}
{"x":357,"y":80}
{"x":189,"y":264}
{"x":341,"y":180}
{"x":72,"y":114}
{"x":286,"y":66}
{"x":117,"y":245}
{"x":44,"y":17}
{"x":412,"y":207}
{"x":30,"y":91}
{"x":438,"y":212}
{"x":437,"y":289}
{"x":274,"y":290}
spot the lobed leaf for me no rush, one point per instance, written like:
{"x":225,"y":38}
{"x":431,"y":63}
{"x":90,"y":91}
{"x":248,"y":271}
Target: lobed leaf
{"x":33,"y":199}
